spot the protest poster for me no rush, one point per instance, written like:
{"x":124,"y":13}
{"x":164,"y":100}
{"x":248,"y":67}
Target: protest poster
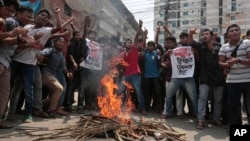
{"x":183,"y":62}
{"x":94,"y":58}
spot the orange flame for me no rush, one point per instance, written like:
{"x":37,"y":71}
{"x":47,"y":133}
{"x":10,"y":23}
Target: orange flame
{"x":111,"y":104}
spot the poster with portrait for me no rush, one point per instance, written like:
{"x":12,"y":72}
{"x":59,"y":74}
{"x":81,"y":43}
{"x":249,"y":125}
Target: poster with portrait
{"x":94,"y":58}
{"x":183,"y":62}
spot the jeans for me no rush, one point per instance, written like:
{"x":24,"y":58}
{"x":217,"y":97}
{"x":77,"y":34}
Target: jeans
{"x":176,"y":83}
{"x":179,"y":101}
{"x":28,"y":72}
{"x":16,"y":89}
{"x":4,"y":88}
{"x":234,"y":105}
{"x":38,"y":87}
{"x":61,"y":78}
{"x":217,"y":102}
{"x":135,"y":80}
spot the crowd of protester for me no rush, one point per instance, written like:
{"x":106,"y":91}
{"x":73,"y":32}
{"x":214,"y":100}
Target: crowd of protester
{"x":40,"y":70}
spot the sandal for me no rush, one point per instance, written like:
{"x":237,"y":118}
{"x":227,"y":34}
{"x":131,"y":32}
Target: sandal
{"x":200,"y":125}
{"x":4,"y":125}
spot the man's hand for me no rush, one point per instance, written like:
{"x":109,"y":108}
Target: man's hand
{"x":69,"y":75}
{"x":193,"y":31}
{"x":56,"y":10}
{"x":158,"y":29}
{"x":18,"y":31}
{"x":140,"y":23}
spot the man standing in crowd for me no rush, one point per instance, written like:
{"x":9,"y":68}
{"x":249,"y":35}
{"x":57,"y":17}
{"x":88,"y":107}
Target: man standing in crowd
{"x":235,"y":57}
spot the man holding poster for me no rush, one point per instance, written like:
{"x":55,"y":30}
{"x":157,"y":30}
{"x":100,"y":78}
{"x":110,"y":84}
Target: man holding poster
{"x":182,"y":63}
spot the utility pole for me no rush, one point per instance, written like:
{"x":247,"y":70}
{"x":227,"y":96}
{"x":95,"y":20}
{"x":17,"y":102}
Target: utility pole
{"x":166,"y":16}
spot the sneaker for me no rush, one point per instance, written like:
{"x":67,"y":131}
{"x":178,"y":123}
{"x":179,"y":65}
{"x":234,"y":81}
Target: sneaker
{"x":80,"y":111}
{"x":61,"y":112}
{"x":53,"y":114}
{"x":28,"y":119}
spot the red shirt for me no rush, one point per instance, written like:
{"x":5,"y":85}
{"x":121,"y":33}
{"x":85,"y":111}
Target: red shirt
{"x":131,"y":57}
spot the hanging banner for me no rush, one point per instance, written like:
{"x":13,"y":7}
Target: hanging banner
{"x":94,"y":58}
{"x":183,"y":62}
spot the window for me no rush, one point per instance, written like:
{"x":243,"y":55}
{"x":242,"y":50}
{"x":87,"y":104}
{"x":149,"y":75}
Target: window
{"x":185,"y":4}
{"x":232,"y":18}
{"x":220,"y":21}
{"x":67,"y":10}
{"x":220,"y":2}
{"x":203,"y":12}
{"x":185,"y":22}
{"x":233,"y":7}
{"x":174,"y":15}
{"x":185,"y":13}
{"x":173,"y":31}
{"x":185,"y":30}
{"x":203,"y":4}
{"x":203,"y":21}
{"x":173,"y":24}
{"x":215,"y":29}
{"x":220,"y":11}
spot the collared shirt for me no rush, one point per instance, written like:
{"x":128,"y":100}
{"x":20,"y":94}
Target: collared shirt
{"x":210,"y":71}
{"x":56,"y":60}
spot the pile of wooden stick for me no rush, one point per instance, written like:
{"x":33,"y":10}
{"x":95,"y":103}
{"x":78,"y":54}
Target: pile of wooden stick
{"x":96,"y":126}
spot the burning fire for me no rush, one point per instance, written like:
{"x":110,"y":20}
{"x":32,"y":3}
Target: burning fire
{"x":110,"y":103}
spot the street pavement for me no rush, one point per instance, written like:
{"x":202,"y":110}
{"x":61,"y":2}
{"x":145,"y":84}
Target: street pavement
{"x":186,"y":125}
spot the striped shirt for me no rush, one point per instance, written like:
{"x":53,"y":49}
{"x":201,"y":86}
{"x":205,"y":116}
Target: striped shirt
{"x":238,"y":72}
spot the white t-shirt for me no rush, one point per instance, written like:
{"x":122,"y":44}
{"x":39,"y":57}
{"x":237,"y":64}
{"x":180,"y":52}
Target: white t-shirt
{"x":28,"y":55}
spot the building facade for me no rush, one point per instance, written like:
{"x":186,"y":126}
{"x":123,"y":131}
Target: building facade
{"x":181,"y":15}
{"x":108,"y":17}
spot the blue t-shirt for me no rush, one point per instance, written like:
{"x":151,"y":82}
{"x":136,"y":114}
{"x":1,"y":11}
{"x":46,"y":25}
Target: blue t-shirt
{"x":151,"y":64}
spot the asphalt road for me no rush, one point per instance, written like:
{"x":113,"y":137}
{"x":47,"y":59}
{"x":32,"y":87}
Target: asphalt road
{"x":187,"y":125}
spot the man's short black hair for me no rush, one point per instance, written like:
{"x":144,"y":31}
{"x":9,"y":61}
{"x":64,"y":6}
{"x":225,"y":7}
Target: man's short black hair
{"x":75,"y":32}
{"x":231,"y":26}
{"x":210,"y":31}
{"x":23,"y":8}
{"x":15,"y":3}
{"x":151,"y":43}
{"x":44,"y":10}
{"x":248,"y":32}
{"x":183,"y":34}
{"x":171,"y":38}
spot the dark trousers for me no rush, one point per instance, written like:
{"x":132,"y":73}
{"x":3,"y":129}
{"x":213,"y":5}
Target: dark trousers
{"x":235,"y":90}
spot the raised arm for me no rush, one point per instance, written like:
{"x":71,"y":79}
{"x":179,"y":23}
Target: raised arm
{"x":167,"y":30}
{"x":85,"y":27}
{"x":138,"y":33}
{"x":157,"y":33}
{"x":145,"y":36}
{"x":67,"y":22}
{"x":58,"y":20}
{"x":190,"y":35}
